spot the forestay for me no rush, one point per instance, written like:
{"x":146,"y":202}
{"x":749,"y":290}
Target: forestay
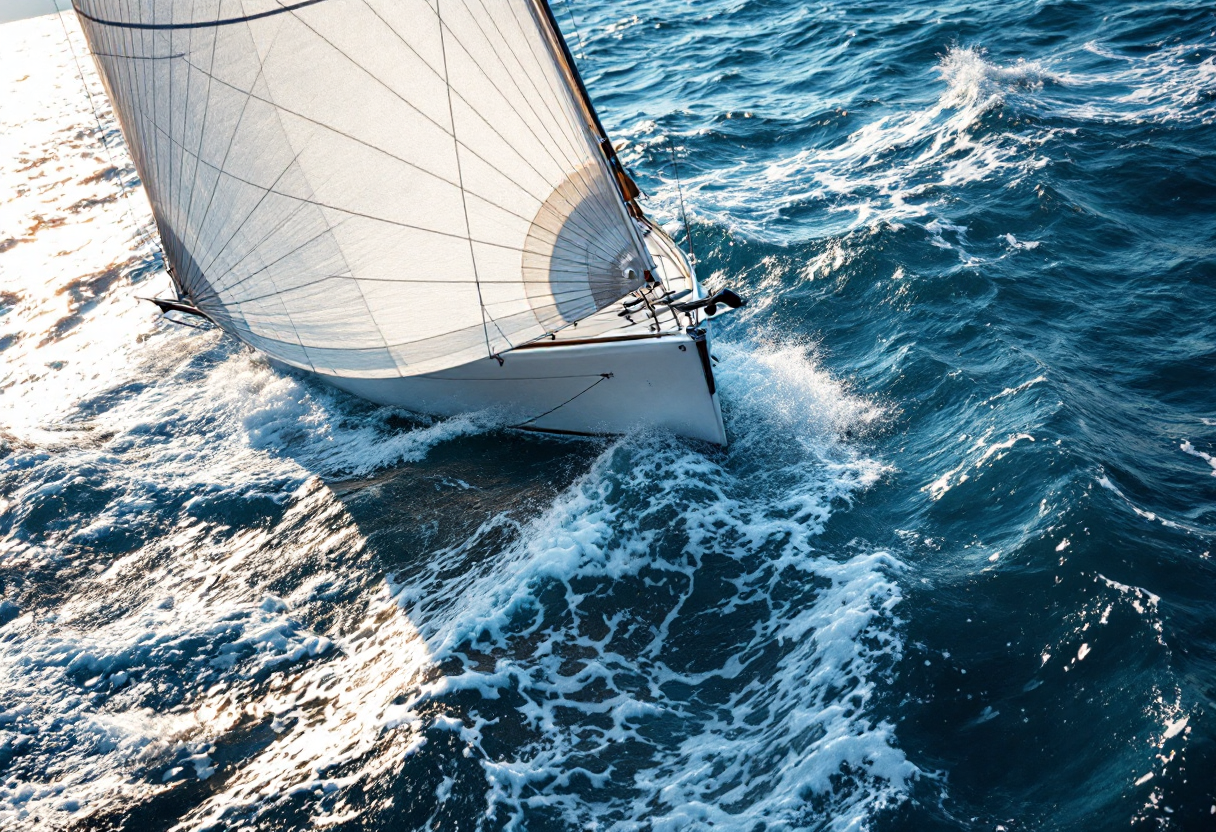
{"x":368,"y":188}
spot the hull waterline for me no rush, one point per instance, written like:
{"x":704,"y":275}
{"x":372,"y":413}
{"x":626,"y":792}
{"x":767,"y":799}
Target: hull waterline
{"x":601,"y":386}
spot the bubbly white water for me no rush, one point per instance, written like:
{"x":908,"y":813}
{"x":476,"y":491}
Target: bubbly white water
{"x":605,"y":689}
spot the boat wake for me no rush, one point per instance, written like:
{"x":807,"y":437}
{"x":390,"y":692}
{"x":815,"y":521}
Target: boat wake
{"x":576,"y":664}
{"x":594,"y":672}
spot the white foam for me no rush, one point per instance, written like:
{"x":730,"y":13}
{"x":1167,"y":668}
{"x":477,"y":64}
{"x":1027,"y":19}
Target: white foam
{"x":986,"y":450}
{"x":1174,"y":727}
{"x":1013,"y":391}
{"x":1163,"y":86}
{"x":1188,"y":448}
{"x":795,"y":732}
{"x":895,"y":166}
{"x":1151,"y":516}
{"x":209,"y":635}
{"x":129,"y":685}
{"x":239,"y":429}
{"x":1019,"y":245}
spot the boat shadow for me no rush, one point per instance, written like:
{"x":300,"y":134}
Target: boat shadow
{"x":416,"y":508}
{"x":366,"y":530}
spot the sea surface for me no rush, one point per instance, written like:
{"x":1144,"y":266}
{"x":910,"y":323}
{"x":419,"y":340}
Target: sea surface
{"x":954,"y":571}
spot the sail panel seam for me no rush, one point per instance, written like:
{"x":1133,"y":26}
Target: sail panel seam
{"x":198,"y":24}
{"x":460,"y":175}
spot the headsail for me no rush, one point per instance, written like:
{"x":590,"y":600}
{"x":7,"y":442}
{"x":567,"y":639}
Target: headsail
{"x":369,"y":188}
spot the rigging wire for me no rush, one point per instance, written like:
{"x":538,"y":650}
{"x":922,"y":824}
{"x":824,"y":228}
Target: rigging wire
{"x":165,"y":317}
{"x":464,"y":200}
{"x":680,"y":190}
{"x":603,"y":377}
{"x":671,"y":146}
{"x":142,"y":233}
{"x":573,"y":25}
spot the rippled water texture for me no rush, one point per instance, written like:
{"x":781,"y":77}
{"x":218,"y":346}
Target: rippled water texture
{"x":954,"y":571}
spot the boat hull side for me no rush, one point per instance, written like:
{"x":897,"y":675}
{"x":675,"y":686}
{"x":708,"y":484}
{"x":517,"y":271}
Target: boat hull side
{"x":592,"y":388}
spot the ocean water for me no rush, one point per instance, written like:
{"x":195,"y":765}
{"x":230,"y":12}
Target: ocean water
{"x":953,"y":573}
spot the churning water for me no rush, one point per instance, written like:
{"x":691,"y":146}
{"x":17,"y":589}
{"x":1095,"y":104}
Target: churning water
{"x":954,"y":571}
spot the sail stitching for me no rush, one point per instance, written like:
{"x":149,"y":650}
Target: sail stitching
{"x":228,"y":148}
{"x":565,"y":117}
{"x":329,"y":228}
{"x":457,"y":142}
{"x":399,"y":344}
{"x":185,"y":108}
{"x":169,"y":162}
{"x":568,"y":163}
{"x":279,"y":259}
{"x":236,"y":127}
{"x":339,"y":132}
{"x":256,"y":247}
{"x":564,"y":164}
{"x":589,"y":196}
{"x":303,"y":201}
{"x":578,"y":123}
{"x":200,"y":24}
{"x":153,"y":186}
{"x":355,"y":139}
{"x":166,"y":166}
{"x":593,"y":130}
{"x":359,"y":141}
{"x":456,"y":145}
{"x":137,"y":148}
{"x":589,"y":232}
{"x":577,"y":134}
{"x":241,"y":218}
{"x":224,"y":247}
{"x":324,"y":278}
{"x":378,"y":219}
{"x":248,"y":216}
{"x":595,"y":127}
{"x":369,"y":74}
{"x":340,"y":253}
{"x":411,"y":164}
{"x":202,"y":132}
{"x":460,"y":174}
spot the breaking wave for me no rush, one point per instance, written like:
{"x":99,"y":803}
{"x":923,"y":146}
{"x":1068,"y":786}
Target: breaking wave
{"x":676,"y":650}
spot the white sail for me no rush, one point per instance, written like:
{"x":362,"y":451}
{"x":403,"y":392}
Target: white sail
{"x":369,"y":188}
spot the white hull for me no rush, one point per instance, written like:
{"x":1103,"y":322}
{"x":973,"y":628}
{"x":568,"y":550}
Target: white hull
{"x":610,"y":374}
{"x":601,"y":386}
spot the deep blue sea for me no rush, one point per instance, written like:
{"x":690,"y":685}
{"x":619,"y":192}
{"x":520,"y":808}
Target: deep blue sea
{"x":954,"y":571}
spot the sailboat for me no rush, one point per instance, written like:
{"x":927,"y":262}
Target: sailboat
{"x":413,"y":200}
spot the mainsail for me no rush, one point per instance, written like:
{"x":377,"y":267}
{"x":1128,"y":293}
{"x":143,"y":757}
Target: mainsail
{"x":370,"y":188}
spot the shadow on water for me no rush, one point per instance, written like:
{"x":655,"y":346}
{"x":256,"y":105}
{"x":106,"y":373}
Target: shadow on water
{"x":362,"y":530}
{"x":434,"y":504}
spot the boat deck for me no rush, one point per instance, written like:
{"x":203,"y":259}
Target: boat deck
{"x":675,"y":275}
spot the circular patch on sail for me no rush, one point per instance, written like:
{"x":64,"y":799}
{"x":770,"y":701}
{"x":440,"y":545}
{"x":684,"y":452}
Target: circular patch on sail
{"x":580,"y":254}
